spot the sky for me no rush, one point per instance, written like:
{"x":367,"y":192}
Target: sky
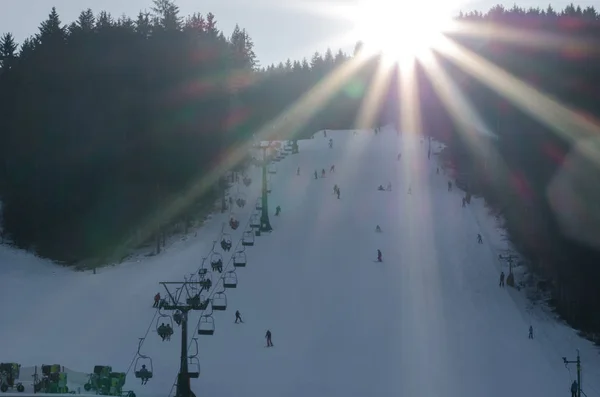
{"x":280,"y":29}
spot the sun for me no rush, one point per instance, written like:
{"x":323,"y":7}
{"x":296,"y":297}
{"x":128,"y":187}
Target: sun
{"x":401,"y":30}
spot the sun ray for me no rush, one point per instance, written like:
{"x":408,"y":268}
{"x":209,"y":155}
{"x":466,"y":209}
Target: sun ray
{"x":558,"y":117}
{"x":374,"y":98}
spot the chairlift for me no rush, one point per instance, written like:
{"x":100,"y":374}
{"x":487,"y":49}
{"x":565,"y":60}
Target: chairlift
{"x":241,"y":198}
{"x":216,"y":261}
{"x":226,"y":242}
{"x":142,"y":362}
{"x":258,"y":204}
{"x":206,"y":325}
{"x":239,"y":259}
{"x":163,"y":319}
{"x":255,"y":220}
{"x":230,"y":278}
{"x":248,"y":239}
{"x":193,"y":362}
{"x":219,"y":302}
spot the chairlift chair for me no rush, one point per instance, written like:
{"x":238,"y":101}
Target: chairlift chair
{"x":142,"y":361}
{"x":193,"y":362}
{"x":255,"y":220}
{"x":248,"y":239}
{"x":230,"y":278}
{"x":206,"y":325}
{"x":239,"y":259}
{"x":216,"y":261}
{"x":241,"y":199}
{"x":226,"y":242}
{"x":219,"y":302}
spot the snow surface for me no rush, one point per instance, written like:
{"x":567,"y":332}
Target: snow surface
{"x":428,"y":321}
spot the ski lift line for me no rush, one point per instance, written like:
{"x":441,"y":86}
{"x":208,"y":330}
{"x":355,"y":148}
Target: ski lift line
{"x":142,"y":343}
{"x":212,"y":292}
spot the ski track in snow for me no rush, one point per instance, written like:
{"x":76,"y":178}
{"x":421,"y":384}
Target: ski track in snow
{"x":430,"y":320}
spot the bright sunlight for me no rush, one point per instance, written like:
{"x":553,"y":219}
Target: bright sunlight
{"x":401,"y":30}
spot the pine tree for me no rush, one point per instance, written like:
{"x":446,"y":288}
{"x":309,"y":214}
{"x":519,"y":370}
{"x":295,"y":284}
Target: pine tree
{"x":8,"y":48}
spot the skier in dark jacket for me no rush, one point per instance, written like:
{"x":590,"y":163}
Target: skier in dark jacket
{"x":530,"y":332}
{"x":501,"y":279}
{"x":268,"y":336}
{"x":479,"y":238}
{"x":238,"y":317}
{"x":379,"y":256}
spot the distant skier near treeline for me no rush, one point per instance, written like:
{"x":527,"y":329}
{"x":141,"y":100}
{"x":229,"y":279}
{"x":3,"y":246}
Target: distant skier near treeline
{"x":379,"y":256}
{"x":501,"y":279}
{"x":268,"y":336}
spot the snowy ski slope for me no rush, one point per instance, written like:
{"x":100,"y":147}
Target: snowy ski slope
{"x":428,"y":321}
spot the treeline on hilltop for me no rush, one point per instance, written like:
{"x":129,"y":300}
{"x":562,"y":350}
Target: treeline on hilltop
{"x":104,"y":121}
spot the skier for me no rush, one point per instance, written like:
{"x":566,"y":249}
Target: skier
{"x":156,"y":299}
{"x":501,"y":279}
{"x":330,"y":143}
{"x":438,"y":170}
{"x":277,"y":210}
{"x":389,"y":187}
{"x":316,"y":175}
{"x":380,"y":188}
{"x":325,"y":133}
{"x":323,"y":173}
{"x":338,"y":193}
{"x":409,"y":189}
{"x":298,"y":171}
{"x":379,"y":256}
{"x":479,"y":239}
{"x":335,"y":189}
{"x":332,"y":169}
{"x":530,"y":332}
{"x":378,"y":229}
{"x":238,"y":317}
{"x":574,"y":388}
{"x":268,"y":336}
{"x":399,"y":156}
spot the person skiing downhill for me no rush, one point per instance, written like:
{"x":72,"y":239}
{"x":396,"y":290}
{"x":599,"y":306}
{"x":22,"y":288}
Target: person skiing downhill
{"x":379,"y":256}
{"x":332,"y":169}
{"x":479,"y":239}
{"x":378,"y":229}
{"x":298,"y":171}
{"x":338,"y":193}
{"x":316,"y":175}
{"x":268,"y":337}
{"x":277,"y":210}
{"x":501,"y":280}
{"x":238,"y":317}
{"x":530,"y":332}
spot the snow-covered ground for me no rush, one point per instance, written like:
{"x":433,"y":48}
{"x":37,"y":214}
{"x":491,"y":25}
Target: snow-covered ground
{"x":428,"y":321}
